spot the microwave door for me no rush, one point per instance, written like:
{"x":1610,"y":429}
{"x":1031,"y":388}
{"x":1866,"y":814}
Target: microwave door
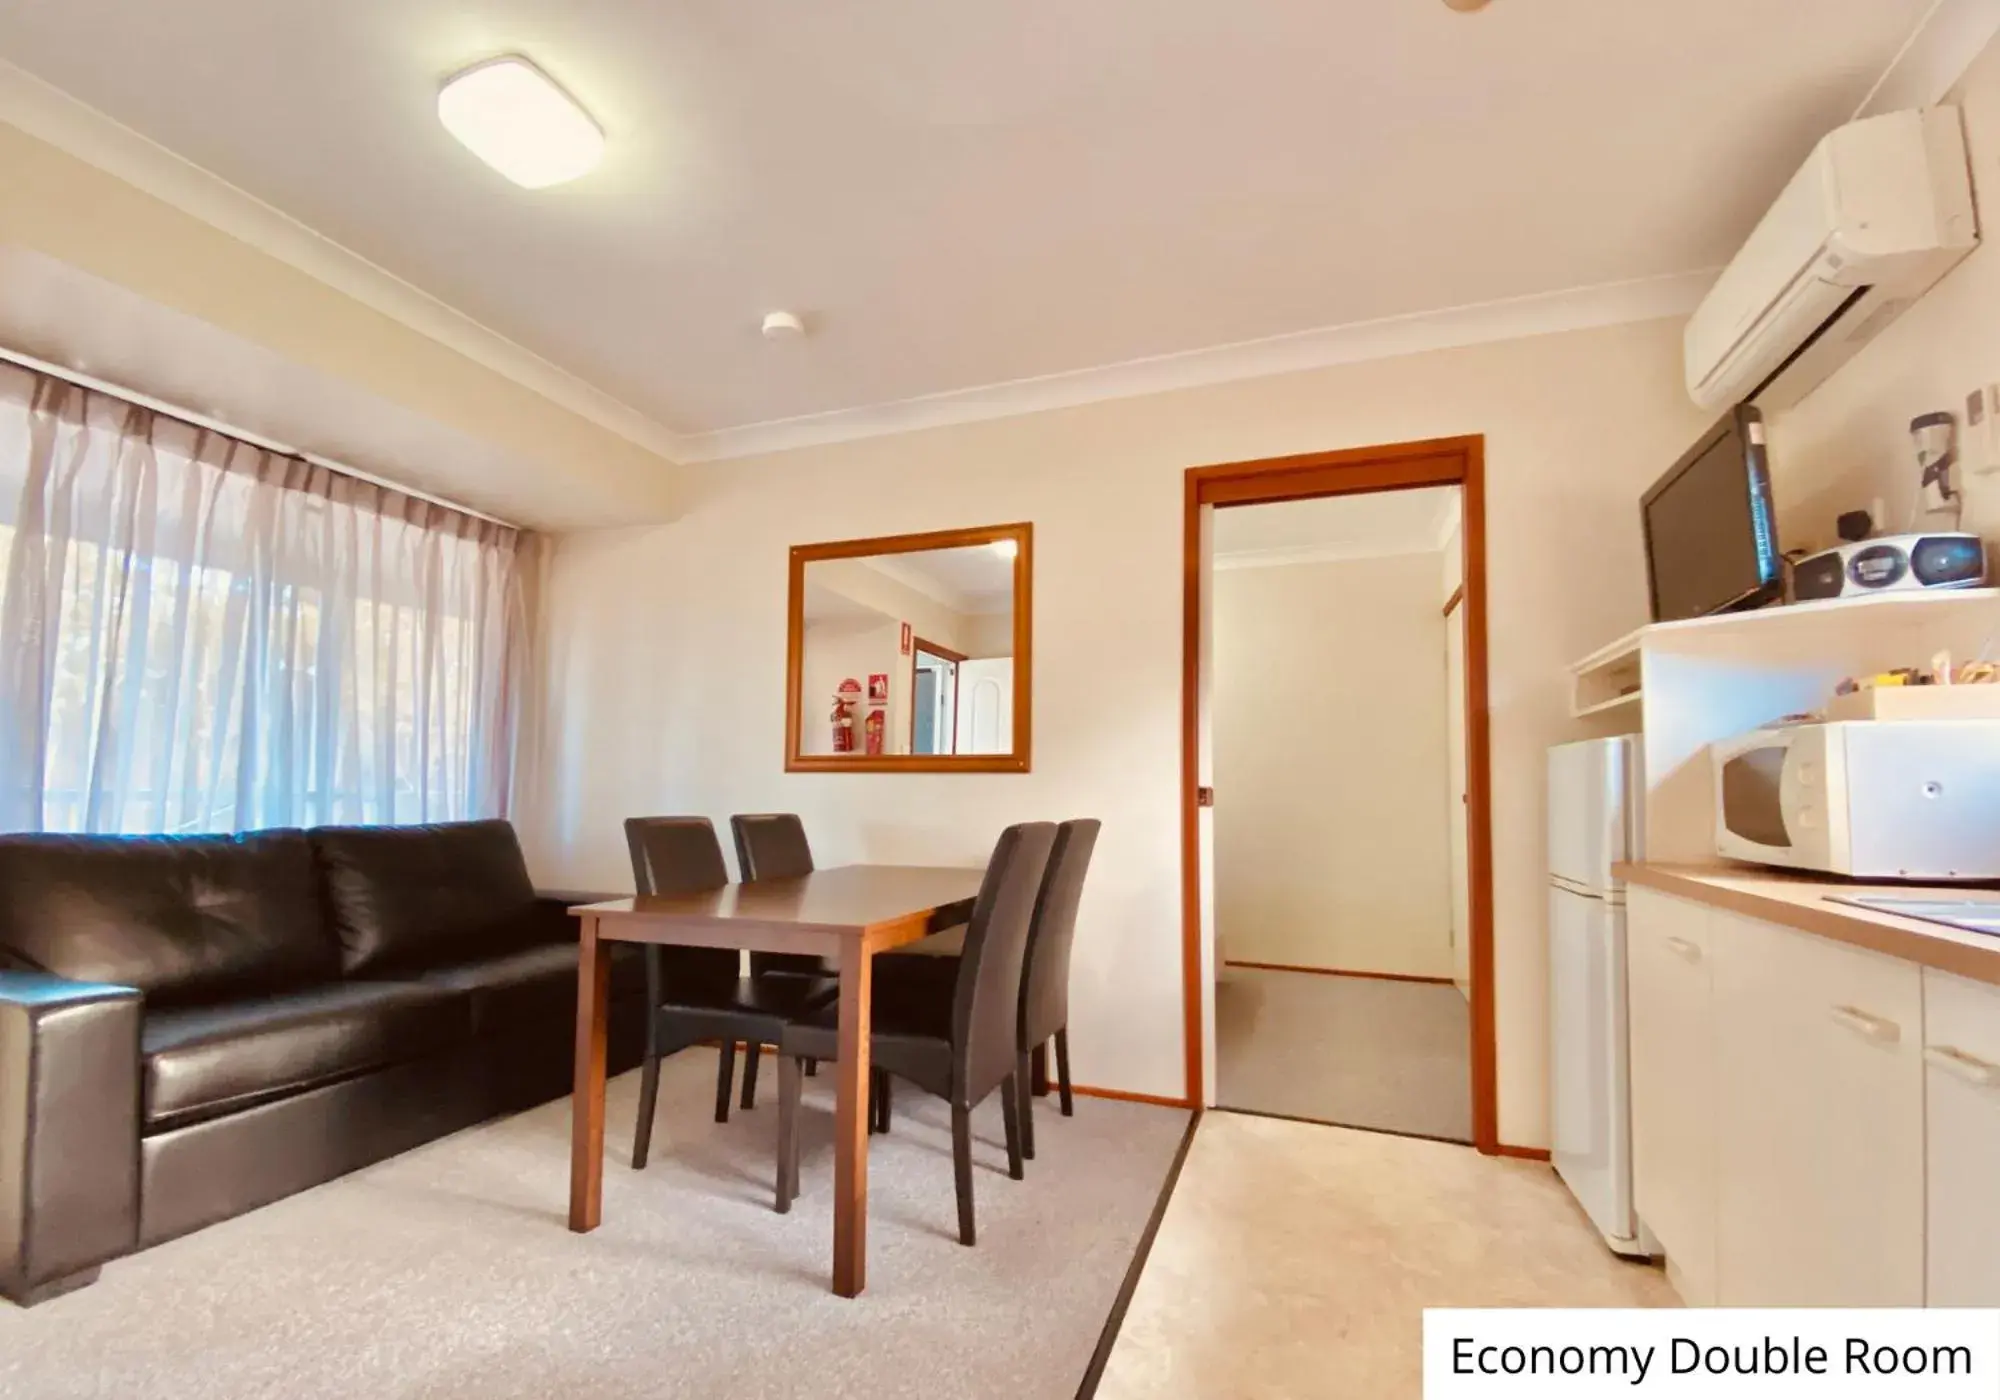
{"x":1756,"y":800}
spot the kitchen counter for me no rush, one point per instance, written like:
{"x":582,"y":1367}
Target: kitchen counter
{"x":1801,"y":902}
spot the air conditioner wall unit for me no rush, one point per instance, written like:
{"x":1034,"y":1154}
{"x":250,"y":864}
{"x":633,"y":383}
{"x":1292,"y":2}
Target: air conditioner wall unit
{"x":1881,"y":211}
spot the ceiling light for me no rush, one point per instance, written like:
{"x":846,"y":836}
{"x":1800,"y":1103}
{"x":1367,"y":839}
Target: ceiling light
{"x":1006,"y":549}
{"x":512,"y":115}
{"x":1465,"y":6}
{"x":783,"y":325}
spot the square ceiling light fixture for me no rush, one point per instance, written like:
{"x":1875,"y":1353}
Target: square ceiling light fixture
{"x":514,"y":117}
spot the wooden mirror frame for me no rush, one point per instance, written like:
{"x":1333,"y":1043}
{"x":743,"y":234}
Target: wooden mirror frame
{"x":1023,"y":535}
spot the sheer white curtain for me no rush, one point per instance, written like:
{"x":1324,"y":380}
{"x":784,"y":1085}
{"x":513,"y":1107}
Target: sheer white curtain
{"x":200,"y":635}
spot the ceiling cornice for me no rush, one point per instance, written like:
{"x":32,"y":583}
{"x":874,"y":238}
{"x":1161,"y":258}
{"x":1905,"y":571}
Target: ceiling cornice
{"x":52,"y":115}
{"x":1607,"y":304}
{"x":1934,"y":57}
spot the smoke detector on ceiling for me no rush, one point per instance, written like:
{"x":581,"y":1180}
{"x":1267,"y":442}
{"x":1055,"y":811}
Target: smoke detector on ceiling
{"x":783,"y":325}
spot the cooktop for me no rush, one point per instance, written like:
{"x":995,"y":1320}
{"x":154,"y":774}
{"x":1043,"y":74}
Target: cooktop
{"x":1974,"y":915}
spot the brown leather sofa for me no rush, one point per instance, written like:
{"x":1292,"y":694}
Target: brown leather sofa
{"x":191,"y":1027}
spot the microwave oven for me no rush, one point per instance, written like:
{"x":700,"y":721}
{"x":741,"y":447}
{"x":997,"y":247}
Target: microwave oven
{"x":1865,"y":799}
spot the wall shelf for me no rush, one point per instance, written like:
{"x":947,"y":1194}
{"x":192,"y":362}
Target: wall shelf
{"x":1711,"y":678}
{"x":1605,"y":707}
{"x":1913,"y":624}
{"x":1608,"y":679}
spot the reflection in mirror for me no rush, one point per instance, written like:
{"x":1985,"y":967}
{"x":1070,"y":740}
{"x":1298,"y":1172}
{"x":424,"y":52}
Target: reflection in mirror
{"x":909,"y":653}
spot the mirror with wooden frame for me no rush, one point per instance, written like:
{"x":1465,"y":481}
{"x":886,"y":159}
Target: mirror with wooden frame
{"x":911,"y":653}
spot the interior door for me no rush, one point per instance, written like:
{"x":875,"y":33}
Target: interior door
{"x":986,"y":705}
{"x":1455,"y":811}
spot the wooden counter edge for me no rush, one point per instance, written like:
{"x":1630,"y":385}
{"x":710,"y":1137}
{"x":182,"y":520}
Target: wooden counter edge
{"x":1888,"y":934}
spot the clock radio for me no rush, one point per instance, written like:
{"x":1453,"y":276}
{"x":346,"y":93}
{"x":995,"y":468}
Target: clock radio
{"x":1891,"y":562}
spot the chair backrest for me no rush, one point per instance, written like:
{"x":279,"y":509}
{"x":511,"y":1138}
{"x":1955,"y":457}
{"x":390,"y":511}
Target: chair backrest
{"x":1045,"y":975}
{"x":773,"y":846}
{"x":986,"y":1010}
{"x":680,"y":855}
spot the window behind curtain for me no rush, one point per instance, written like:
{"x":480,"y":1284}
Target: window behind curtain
{"x":200,"y":635}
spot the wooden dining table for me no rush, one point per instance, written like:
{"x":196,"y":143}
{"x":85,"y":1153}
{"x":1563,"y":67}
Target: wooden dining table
{"x":845,"y":913}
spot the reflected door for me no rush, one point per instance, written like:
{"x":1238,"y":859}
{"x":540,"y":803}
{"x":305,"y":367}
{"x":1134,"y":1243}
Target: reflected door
{"x":986,"y":705}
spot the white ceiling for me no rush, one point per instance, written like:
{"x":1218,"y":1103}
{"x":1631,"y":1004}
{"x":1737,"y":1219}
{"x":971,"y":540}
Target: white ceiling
{"x":1335,"y":527}
{"x":963,"y":195}
{"x":974,"y":579}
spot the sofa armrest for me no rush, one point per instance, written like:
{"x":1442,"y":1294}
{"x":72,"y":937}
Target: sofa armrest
{"x":69,"y":1128}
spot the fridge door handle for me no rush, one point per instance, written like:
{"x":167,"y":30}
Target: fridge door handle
{"x":1684,"y":950}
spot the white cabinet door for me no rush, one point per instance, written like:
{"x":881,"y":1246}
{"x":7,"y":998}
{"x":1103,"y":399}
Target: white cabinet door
{"x":1962,"y":1090}
{"x":1819,"y":1121}
{"x":1673,"y":1083}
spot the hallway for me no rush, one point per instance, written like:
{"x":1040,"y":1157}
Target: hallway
{"x":1359,"y":1052}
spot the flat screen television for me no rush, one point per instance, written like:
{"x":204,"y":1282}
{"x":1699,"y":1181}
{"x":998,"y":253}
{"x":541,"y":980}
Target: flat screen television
{"x":1711,"y":544}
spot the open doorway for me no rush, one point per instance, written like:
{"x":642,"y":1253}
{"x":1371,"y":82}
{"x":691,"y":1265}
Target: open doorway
{"x":1337,"y":996}
{"x":1338,"y":900}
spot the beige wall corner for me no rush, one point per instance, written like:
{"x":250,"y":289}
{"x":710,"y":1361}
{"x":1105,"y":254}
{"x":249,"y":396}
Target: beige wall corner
{"x":548,"y":465}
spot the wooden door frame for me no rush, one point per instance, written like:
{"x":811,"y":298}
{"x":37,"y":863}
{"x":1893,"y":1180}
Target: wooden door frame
{"x":918,"y":644}
{"x":1461,"y":462}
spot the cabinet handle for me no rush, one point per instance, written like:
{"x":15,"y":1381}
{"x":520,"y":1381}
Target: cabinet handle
{"x":1877,"y":1030}
{"x":1684,"y":950}
{"x":1970,"y":1068}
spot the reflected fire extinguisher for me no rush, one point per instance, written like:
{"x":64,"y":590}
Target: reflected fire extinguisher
{"x":844,"y":700}
{"x":878,"y":716}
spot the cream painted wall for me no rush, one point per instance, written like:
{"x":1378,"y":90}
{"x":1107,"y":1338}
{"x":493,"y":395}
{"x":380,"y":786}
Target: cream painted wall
{"x":1848,"y":442}
{"x":930,"y":619}
{"x":666,"y":645}
{"x":1330,"y":774}
{"x":72,"y":211}
{"x":989,"y":634}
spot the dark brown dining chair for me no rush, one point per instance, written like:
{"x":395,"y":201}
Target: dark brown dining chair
{"x":961,"y":1049}
{"x":699,"y":994}
{"x":1045,"y":976}
{"x":773,"y":846}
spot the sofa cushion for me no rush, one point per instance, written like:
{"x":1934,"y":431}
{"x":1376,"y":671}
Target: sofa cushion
{"x":182,"y":918}
{"x":202,"y":1062}
{"x":403,"y":897}
{"x":533,"y":984}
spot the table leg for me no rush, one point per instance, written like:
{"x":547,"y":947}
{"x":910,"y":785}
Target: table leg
{"x":850,"y":1132}
{"x":586,"y":1132}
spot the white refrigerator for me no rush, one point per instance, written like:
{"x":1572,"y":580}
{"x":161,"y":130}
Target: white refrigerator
{"x":1596,"y":793}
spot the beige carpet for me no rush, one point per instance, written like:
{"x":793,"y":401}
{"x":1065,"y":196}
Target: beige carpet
{"x":1296,"y":1260}
{"x":448,"y":1272}
{"x":1357,"y":1051}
